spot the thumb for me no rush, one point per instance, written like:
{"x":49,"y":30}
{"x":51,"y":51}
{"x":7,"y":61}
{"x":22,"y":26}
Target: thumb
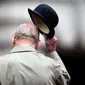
{"x":45,"y":37}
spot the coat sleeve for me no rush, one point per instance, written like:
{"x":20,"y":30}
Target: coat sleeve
{"x":3,"y":66}
{"x":59,"y":69}
{"x":13,"y":75}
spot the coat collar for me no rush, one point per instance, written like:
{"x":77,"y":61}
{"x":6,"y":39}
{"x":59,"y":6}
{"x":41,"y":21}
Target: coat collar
{"x":22,"y":49}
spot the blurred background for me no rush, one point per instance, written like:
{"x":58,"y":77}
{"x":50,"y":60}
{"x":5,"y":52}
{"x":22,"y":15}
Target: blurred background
{"x":70,"y":31}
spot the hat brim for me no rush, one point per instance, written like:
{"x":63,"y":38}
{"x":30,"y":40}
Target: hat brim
{"x":51,"y":32}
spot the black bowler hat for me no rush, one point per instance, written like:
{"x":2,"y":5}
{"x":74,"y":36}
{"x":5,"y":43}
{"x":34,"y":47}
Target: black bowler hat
{"x":45,"y":18}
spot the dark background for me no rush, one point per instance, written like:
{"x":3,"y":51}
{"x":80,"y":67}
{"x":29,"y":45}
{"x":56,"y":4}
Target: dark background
{"x":74,"y":60}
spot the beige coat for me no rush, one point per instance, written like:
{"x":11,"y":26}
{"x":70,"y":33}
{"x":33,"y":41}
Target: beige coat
{"x":25,"y":66}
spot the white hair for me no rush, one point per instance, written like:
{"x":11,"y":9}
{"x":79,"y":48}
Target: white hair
{"x":27,"y":31}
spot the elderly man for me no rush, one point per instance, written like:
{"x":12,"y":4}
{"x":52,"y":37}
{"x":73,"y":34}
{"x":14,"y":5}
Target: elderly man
{"x":24,"y":65}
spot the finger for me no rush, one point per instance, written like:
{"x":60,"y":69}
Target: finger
{"x":55,"y":38}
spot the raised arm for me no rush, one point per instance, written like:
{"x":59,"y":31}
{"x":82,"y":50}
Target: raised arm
{"x":51,"y":47}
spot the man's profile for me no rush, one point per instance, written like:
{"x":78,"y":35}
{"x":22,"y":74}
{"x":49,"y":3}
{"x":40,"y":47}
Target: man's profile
{"x":24,"y":65}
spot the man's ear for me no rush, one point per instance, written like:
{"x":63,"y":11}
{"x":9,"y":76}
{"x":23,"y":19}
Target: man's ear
{"x":37,"y":45}
{"x":13,"y":41}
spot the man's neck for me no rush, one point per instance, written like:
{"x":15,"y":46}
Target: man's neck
{"x":26,"y":44}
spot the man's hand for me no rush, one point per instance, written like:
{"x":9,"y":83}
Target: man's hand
{"x":50,"y":43}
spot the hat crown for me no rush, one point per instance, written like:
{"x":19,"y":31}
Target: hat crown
{"x":48,"y":14}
